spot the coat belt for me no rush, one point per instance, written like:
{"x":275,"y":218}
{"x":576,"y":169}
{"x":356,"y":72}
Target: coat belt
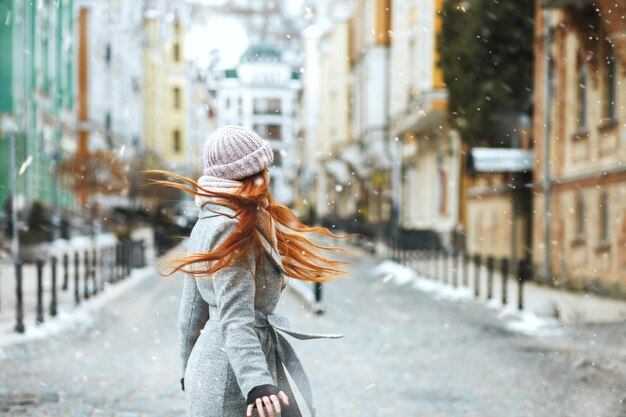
{"x":286,"y":356}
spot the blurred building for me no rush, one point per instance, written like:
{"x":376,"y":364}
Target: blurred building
{"x":202,"y":115}
{"x":428,"y":148}
{"x":499,"y":202}
{"x":165,"y":88}
{"x":112,"y":71}
{"x":262,"y":93}
{"x":332,"y":187}
{"x":115,"y":73}
{"x":346,"y":165}
{"x":580,"y":95}
{"x":37,"y":91}
{"x":369,"y":98}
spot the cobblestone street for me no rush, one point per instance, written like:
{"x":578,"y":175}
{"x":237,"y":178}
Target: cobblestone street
{"x":405,"y":353}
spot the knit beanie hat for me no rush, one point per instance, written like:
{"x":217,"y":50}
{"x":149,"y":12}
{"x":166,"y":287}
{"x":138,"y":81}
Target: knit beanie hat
{"x":234,"y":152}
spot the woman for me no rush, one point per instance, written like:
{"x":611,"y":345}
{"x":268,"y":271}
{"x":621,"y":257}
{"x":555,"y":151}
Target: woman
{"x":240,"y":253}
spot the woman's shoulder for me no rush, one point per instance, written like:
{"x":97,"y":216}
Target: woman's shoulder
{"x":214,"y":223}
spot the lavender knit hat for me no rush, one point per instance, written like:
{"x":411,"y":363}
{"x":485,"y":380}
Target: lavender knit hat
{"x":234,"y":152}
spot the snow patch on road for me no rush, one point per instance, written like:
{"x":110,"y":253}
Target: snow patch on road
{"x":400,"y":275}
{"x":530,"y":324}
{"x":390,"y":271}
{"x":442,"y":291}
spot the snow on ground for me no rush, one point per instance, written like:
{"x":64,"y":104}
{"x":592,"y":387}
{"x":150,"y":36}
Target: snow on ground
{"x":524,"y":322}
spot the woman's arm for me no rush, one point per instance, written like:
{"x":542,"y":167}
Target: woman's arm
{"x":234,"y":288}
{"x":192,"y":316}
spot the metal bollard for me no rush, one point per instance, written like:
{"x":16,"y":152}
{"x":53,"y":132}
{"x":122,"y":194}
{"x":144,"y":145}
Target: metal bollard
{"x":477,"y":265}
{"x":444,"y":267}
{"x":437,"y":261}
{"x":94,"y":266}
{"x":39,"y":318}
{"x":490,"y":266}
{"x":19,"y":298}
{"x":504,"y":271}
{"x":455,"y":268}
{"x":127,"y":247}
{"x":418,"y":262}
{"x":102,"y":259}
{"x":524,"y":273}
{"x":112,"y":259}
{"x":66,"y":272}
{"x":143,"y":254}
{"x":466,"y":261}
{"x":86,"y":276}
{"x":318,"y":298}
{"x":434,"y":270}
{"x":117,"y":262}
{"x":76,"y":278}
{"x":53,"y":299}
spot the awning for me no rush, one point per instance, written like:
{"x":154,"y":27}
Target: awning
{"x":339,"y":170}
{"x":354,"y":157}
{"x":501,"y":160}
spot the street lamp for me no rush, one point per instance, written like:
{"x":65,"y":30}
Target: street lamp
{"x":9,"y":126}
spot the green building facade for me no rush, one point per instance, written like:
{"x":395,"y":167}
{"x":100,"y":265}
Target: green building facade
{"x":37,"y":79}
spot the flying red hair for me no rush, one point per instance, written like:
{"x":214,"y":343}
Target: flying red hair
{"x":302,"y":258}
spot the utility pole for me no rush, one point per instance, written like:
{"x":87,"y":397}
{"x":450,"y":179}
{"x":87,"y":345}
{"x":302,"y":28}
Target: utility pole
{"x":547,"y":180}
{"x":83,"y":104}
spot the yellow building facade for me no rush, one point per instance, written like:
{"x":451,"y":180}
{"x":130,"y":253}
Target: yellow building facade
{"x":165,"y":91}
{"x":580,"y":100}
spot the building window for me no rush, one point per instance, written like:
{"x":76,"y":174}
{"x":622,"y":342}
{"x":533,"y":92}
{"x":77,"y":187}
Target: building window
{"x":274,"y":132}
{"x":278,"y":160}
{"x":176,"y":137}
{"x":176,"y":97}
{"x":609,"y":87}
{"x":273,"y":106}
{"x":580,"y":217}
{"x":604,"y":218}
{"x":581,"y":95}
{"x":267,"y":106}
{"x":176,"y":51}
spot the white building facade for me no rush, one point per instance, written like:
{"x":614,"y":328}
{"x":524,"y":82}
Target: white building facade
{"x":115,"y":60}
{"x":262,"y":94}
{"x":428,"y":148}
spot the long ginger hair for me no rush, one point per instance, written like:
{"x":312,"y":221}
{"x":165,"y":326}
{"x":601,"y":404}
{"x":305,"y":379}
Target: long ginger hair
{"x":302,"y":258}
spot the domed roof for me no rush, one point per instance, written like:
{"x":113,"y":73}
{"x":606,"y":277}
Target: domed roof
{"x":260,"y":52}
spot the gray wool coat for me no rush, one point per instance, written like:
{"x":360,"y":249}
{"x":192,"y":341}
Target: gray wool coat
{"x":227,"y":328}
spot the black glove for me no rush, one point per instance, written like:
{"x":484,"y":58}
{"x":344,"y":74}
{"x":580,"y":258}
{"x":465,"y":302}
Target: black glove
{"x":182,"y":384}
{"x":261,"y":391}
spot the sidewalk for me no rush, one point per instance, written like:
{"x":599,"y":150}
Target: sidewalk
{"x":67,"y":312}
{"x":539,"y":300}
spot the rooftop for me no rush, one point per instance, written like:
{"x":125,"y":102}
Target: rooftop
{"x":260,"y":52}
